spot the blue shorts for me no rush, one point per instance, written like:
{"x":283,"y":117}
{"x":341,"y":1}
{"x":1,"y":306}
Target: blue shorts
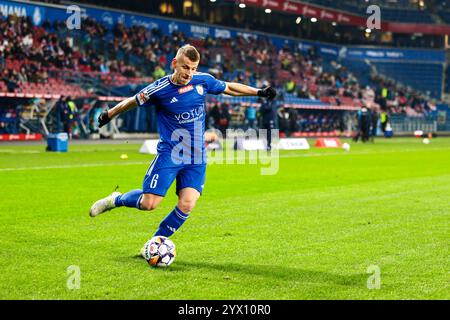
{"x":162,"y":172}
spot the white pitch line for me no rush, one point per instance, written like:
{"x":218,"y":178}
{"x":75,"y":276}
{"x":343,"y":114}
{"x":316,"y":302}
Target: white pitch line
{"x":224,"y":159}
{"x":86,"y":165}
{"x":18,"y":152}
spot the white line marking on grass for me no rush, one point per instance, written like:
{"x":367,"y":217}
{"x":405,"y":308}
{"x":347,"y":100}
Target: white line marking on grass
{"x":290,"y":155}
{"x":68,"y":166}
{"x":88,"y":165}
{"x":17,"y":152}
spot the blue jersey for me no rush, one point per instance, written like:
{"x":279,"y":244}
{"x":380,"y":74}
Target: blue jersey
{"x":181,"y":109}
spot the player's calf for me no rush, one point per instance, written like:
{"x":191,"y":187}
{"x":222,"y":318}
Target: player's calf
{"x":187,"y":199}
{"x":171,"y":223}
{"x":186,"y":205}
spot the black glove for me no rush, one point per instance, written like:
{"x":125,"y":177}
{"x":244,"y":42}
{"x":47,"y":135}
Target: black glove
{"x":267,"y":92}
{"x":103,"y":119}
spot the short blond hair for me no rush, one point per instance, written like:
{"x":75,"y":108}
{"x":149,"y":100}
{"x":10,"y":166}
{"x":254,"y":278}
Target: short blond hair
{"x":188,"y":51}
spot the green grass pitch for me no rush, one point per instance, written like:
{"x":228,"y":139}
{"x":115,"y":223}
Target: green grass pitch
{"x":312,"y":231}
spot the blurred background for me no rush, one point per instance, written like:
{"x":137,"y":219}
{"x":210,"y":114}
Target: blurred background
{"x":325,"y":61}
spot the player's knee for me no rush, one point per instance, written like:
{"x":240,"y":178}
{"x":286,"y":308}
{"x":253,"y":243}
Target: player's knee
{"x":149,"y":205}
{"x":186,"y":205}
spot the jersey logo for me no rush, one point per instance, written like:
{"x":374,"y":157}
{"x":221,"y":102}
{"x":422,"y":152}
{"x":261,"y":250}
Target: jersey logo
{"x":174,"y":100}
{"x":185,"y":89}
{"x":199,"y":89}
{"x":171,"y":229}
{"x":142,"y":98}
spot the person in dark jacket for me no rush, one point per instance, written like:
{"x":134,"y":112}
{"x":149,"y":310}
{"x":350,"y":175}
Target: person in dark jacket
{"x":268,"y":112}
{"x":364,"y":120}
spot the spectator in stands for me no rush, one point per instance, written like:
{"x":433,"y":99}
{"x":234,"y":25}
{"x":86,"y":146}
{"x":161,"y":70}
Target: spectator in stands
{"x":42,"y":76}
{"x":364,"y":121}
{"x":290,"y":86}
{"x":9,"y":122}
{"x":214,"y":115}
{"x":283,"y":121}
{"x":10,"y":78}
{"x":223,"y":118}
{"x":293,"y":126}
{"x":373,"y":123}
{"x":104,"y":68}
{"x":268,"y":112}
{"x":250,"y":117}
{"x":63,"y":115}
{"x":67,"y":116}
{"x":384,"y":119}
{"x":159,"y":72}
{"x":22,"y":75}
{"x":2,"y":56}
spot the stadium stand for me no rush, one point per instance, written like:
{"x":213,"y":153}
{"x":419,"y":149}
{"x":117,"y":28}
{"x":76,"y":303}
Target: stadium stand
{"x":97,"y":61}
{"x":398,"y":11}
{"x":447,"y":79}
{"x":445,"y":16}
{"x":422,"y":77}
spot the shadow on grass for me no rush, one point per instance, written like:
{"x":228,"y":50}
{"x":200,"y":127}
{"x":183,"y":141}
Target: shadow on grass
{"x":265,"y":271}
{"x":276,"y":272}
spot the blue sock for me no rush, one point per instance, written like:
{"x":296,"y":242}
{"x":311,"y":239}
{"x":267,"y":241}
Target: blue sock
{"x":171,"y":223}
{"x":130,"y":199}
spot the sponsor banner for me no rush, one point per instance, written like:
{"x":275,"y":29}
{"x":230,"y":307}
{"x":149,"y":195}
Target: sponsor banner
{"x":21,"y":137}
{"x":379,"y":54}
{"x":321,"y":13}
{"x":318,"y":134}
{"x":328,"y":143}
{"x":324,"y":49}
{"x":293,"y":144}
{"x":38,"y":14}
{"x":29,"y":95}
{"x":410,"y":28}
{"x":308,"y":10}
{"x":250,"y":144}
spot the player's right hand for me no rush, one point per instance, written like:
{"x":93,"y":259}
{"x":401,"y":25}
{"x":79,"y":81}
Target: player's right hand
{"x":267,"y":92}
{"x":103,"y":119}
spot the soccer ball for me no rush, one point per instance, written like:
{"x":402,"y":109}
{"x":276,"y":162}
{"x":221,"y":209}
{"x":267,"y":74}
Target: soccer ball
{"x":159,"y":251}
{"x":346,"y":146}
{"x":426,"y":141}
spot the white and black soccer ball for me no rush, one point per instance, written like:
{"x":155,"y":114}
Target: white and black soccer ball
{"x":159,"y":251}
{"x":346,"y":146}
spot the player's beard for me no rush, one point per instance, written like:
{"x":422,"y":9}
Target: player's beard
{"x":183,"y":80}
{"x":178,"y":79}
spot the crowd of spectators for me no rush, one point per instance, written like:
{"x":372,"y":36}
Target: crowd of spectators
{"x":31,"y":51}
{"x":223,"y":116}
{"x":32,"y":54}
{"x":9,"y":121}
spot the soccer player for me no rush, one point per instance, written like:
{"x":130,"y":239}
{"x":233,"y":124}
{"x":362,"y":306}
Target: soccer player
{"x":179,"y":99}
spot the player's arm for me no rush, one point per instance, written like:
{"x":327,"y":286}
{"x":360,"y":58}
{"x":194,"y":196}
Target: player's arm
{"x":239,"y":89}
{"x":121,"y":107}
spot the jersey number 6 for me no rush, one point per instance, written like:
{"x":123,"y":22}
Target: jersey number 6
{"x":154,"y":181}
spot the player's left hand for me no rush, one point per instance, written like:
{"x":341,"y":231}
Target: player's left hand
{"x":268,"y":92}
{"x":103,"y":119}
